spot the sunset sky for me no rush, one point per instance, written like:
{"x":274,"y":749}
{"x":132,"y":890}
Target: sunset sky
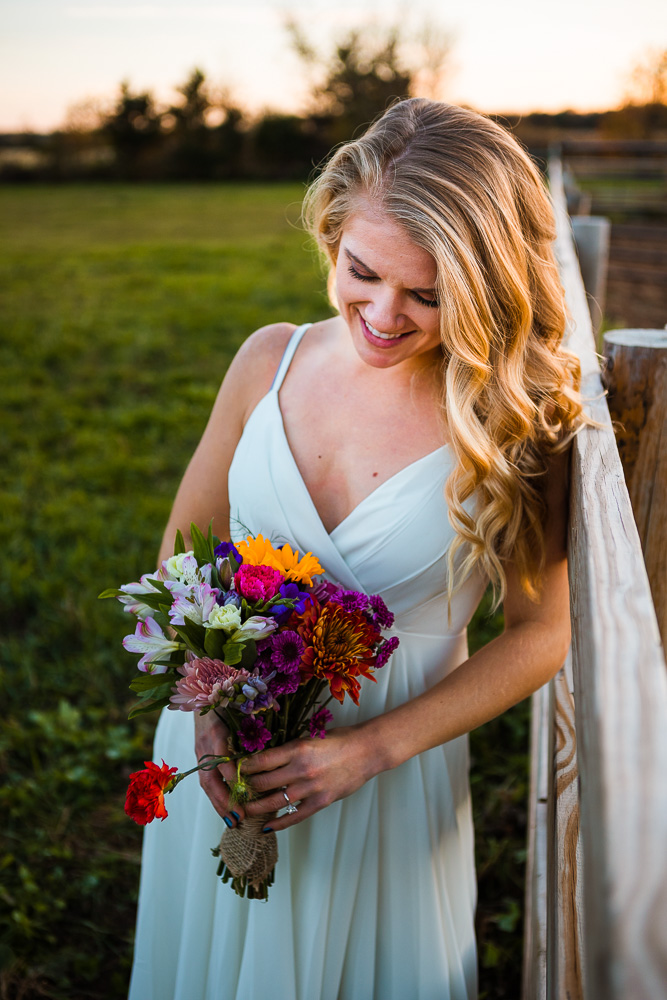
{"x":516,"y":55}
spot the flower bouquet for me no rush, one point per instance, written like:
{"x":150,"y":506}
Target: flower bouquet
{"x":246,"y":632}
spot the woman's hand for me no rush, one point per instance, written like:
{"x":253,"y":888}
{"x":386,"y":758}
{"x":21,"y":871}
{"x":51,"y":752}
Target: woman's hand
{"x":211,"y":736}
{"x":313,"y":772}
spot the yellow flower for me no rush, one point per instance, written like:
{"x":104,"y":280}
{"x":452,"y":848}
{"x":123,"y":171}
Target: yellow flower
{"x":260,"y":552}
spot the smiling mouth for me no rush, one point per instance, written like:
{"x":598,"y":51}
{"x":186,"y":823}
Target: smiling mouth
{"x":383,"y":336}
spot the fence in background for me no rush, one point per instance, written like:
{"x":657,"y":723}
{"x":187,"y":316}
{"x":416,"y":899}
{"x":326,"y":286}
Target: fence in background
{"x":596,"y":885}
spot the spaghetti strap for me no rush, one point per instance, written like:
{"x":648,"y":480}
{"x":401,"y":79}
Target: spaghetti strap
{"x":286,"y":359}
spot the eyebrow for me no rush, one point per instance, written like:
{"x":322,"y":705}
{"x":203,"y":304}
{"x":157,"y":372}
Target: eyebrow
{"x":357,"y":260}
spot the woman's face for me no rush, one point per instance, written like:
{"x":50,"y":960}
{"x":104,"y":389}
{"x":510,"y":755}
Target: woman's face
{"x":385,"y":286}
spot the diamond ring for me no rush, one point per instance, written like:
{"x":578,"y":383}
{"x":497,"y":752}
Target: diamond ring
{"x":291,"y":808}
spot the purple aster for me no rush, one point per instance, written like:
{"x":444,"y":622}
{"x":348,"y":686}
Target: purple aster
{"x":226,"y":549}
{"x":382,"y":616}
{"x":318,"y":721}
{"x":288,"y":649}
{"x":350,"y":600}
{"x":385,"y":651}
{"x":253,"y":734}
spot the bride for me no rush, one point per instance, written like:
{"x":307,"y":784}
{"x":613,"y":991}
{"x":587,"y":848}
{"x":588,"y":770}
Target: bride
{"x":417,"y":443}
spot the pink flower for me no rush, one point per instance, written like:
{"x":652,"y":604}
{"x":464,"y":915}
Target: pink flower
{"x":258,"y":583}
{"x":206,"y":682}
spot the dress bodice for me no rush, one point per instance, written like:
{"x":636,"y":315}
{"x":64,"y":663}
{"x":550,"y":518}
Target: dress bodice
{"x":394,"y":542}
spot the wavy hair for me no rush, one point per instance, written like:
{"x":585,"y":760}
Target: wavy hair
{"x":465,"y":191}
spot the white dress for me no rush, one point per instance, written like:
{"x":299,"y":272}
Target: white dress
{"x":374,"y":897}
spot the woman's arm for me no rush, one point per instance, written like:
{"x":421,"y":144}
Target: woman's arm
{"x":528,"y":654}
{"x":203,"y":494}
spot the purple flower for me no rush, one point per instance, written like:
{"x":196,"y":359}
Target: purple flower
{"x":318,"y":721}
{"x":226,"y":549}
{"x":283,"y":683}
{"x":350,"y":600}
{"x":290,"y":591}
{"x":288,"y":649}
{"x":259,"y":696}
{"x":385,"y":651}
{"x":253,"y":734}
{"x":382,"y":616}
{"x":231,"y":597}
{"x":324,"y":590}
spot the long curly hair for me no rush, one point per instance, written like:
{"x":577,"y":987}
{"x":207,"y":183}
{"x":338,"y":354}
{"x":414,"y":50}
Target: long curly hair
{"x":465,"y":191}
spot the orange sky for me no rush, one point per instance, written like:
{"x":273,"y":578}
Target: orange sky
{"x":510,"y":56}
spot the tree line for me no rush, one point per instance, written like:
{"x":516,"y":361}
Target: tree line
{"x":204,"y":135}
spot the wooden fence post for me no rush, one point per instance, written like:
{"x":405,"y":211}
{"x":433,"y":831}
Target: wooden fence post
{"x":591,"y":236}
{"x":637,"y":382}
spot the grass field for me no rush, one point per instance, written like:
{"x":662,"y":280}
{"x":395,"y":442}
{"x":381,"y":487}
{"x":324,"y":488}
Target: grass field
{"x":121,"y":308}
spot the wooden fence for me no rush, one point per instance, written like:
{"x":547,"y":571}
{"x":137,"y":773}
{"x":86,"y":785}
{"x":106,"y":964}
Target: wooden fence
{"x":596,"y":886}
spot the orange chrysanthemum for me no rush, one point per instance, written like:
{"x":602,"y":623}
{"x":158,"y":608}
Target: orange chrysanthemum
{"x":260,"y":552}
{"x":340,"y":648}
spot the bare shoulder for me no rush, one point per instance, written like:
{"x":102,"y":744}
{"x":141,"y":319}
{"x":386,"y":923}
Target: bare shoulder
{"x":251,"y":372}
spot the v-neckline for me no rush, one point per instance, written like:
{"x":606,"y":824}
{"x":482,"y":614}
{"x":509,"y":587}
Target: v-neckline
{"x":373,"y":493}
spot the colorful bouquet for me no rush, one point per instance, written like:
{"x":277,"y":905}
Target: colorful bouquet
{"x":245,"y":632}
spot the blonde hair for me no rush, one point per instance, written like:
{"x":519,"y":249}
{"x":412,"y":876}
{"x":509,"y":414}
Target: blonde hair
{"x":465,"y":191}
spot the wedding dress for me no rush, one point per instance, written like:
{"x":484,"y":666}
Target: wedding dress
{"x":374,"y":896}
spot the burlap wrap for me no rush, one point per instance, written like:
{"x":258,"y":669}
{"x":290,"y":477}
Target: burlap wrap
{"x":248,"y":852}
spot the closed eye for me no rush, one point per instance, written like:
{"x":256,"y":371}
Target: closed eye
{"x":431,"y":303}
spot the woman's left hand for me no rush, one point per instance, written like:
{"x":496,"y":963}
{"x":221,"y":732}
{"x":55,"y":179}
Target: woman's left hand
{"x":313,"y":772}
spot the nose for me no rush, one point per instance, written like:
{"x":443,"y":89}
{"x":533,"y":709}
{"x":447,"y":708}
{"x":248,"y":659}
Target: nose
{"x":383,"y":310}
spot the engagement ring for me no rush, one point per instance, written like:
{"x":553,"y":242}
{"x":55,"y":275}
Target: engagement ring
{"x":290,"y":807}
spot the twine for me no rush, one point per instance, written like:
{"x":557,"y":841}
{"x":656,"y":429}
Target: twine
{"x":248,"y":853}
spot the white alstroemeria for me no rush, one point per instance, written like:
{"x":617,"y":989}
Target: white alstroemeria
{"x":150,"y":640}
{"x":173,"y":566}
{"x":256,"y":627}
{"x":227,"y":618}
{"x":134,"y":590}
{"x":182,"y":572}
{"x":195,"y":603}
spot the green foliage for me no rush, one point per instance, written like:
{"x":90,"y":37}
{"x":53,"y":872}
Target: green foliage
{"x":122,"y":307}
{"x":499,"y":782}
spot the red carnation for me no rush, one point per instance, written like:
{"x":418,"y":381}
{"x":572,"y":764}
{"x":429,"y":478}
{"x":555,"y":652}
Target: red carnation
{"x":145,"y":795}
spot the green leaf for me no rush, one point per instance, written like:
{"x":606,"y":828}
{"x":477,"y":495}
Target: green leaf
{"x":192,"y":634}
{"x":179,"y":544}
{"x":232,"y":653}
{"x":146,"y":681}
{"x":162,"y":618}
{"x":249,"y":654}
{"x":200,"y":545}
{"x":153,"y":601}
{"x":112,"y":592}
{"x":214,"y":643}
{"x":142,"y":709}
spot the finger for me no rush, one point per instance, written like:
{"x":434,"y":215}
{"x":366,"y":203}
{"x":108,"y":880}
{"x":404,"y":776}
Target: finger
{"x":218,"y":794}
{"x":278,"y":800}
{"x":268,"y":760}
{"x":306,"y":808}
{"x":270,"y":781}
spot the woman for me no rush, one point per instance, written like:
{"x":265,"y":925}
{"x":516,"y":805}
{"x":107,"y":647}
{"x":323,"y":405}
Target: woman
{"x":416,"y":442}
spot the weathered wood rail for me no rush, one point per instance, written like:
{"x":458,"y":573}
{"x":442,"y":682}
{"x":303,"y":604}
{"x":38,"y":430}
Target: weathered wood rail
{"x":596,"y":885}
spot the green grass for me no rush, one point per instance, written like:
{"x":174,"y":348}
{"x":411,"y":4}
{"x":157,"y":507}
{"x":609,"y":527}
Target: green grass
{"x":121,"y":308}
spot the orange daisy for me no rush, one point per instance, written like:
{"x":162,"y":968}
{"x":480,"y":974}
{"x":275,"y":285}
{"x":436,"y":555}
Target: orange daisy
{"x":260,"y":552}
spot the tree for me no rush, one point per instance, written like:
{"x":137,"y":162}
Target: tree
{"x":134,"y":129}
{"x":366,"y":72}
